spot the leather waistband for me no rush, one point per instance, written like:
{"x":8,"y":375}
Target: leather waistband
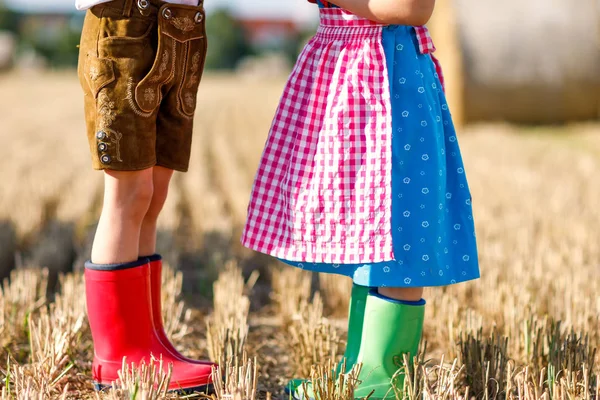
{"x":146,"y":8}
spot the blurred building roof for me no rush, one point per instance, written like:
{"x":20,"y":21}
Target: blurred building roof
{"x":269,"y":32}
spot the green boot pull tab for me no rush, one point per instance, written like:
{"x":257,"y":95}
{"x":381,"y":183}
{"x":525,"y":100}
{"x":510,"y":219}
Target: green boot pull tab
{"x":391,"y":330}
{"x":356,"y":318}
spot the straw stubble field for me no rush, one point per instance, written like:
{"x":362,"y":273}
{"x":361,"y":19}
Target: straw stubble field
{"x":528,"y":329}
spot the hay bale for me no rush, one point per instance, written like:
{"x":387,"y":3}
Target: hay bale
{"x":445,"y":34}
{"x":527,"y":61}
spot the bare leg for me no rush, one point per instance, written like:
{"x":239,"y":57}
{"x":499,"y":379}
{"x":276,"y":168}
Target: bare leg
{"x":127,"y":196}
{"x":161,"y":178}
{"x":405,"y":294}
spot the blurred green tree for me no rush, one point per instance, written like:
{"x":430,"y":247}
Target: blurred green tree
{"x":293,"y":47}
{"x":227,"y":43}
{"x":57,"y":43}
{"x":9,"y":19}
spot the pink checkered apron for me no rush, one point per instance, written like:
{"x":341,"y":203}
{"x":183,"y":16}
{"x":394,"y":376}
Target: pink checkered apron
{"x":322,"y":193}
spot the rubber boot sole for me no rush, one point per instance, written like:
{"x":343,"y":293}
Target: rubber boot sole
{"x":205,"y":389}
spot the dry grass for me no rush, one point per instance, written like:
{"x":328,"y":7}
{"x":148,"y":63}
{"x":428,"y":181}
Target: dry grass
{"x":336,"y":293}
{"x":313,"y":340}
{"x":227,"y":327}
{"x":236,"y":378}
{"x":28,"y":389}
{"x":327,"y":384}
{"x":527,"y":330}
{"x":291,"y":289}
{"x":53,"y":331}
{"x":431,"y":381}
{"x":178,"y":324}
{"x":144,"y":381}
{"x":22,"y":294}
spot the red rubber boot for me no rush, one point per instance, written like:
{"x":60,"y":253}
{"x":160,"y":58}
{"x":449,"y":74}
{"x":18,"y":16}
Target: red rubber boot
{"x":120,"y":315}
{"x":156,"y":287}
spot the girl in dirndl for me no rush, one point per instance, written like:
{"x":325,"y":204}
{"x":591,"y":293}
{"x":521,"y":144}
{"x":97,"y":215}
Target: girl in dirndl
{"x":362,"y":176}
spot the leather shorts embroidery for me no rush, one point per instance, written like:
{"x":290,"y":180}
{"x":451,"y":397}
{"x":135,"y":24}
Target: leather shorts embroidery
{"x":140,"y":65}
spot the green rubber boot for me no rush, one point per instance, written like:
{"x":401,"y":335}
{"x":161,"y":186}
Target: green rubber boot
{"x":356,"y":317}
{"x":391,"y":330}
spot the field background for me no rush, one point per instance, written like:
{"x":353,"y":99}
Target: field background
{"x":536,"y":197}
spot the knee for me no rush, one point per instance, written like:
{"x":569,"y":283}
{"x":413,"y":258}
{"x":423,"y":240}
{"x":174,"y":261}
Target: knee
{"x":130,"y":194}
{"x":161,"y":179}
{"x":159,"y":197}
{"x":141,"y":196}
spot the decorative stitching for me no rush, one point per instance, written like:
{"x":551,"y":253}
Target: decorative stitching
{"x":173,"y":59}
{"x":108,"y":115}
{"x":115,"y":138}
{"x":189,"y":99}
{"x":94,"y":73}
{"x":185,"y":24}
{"x":131,"y":99}
{"x":106,"y":110}
{"x":194,"y":79}
{"x":162,"y":68}
{"x":149,"y":95}
{"x":180,"y":110}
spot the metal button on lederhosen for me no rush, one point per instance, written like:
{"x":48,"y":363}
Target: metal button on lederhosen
{"x":103,"y":147}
